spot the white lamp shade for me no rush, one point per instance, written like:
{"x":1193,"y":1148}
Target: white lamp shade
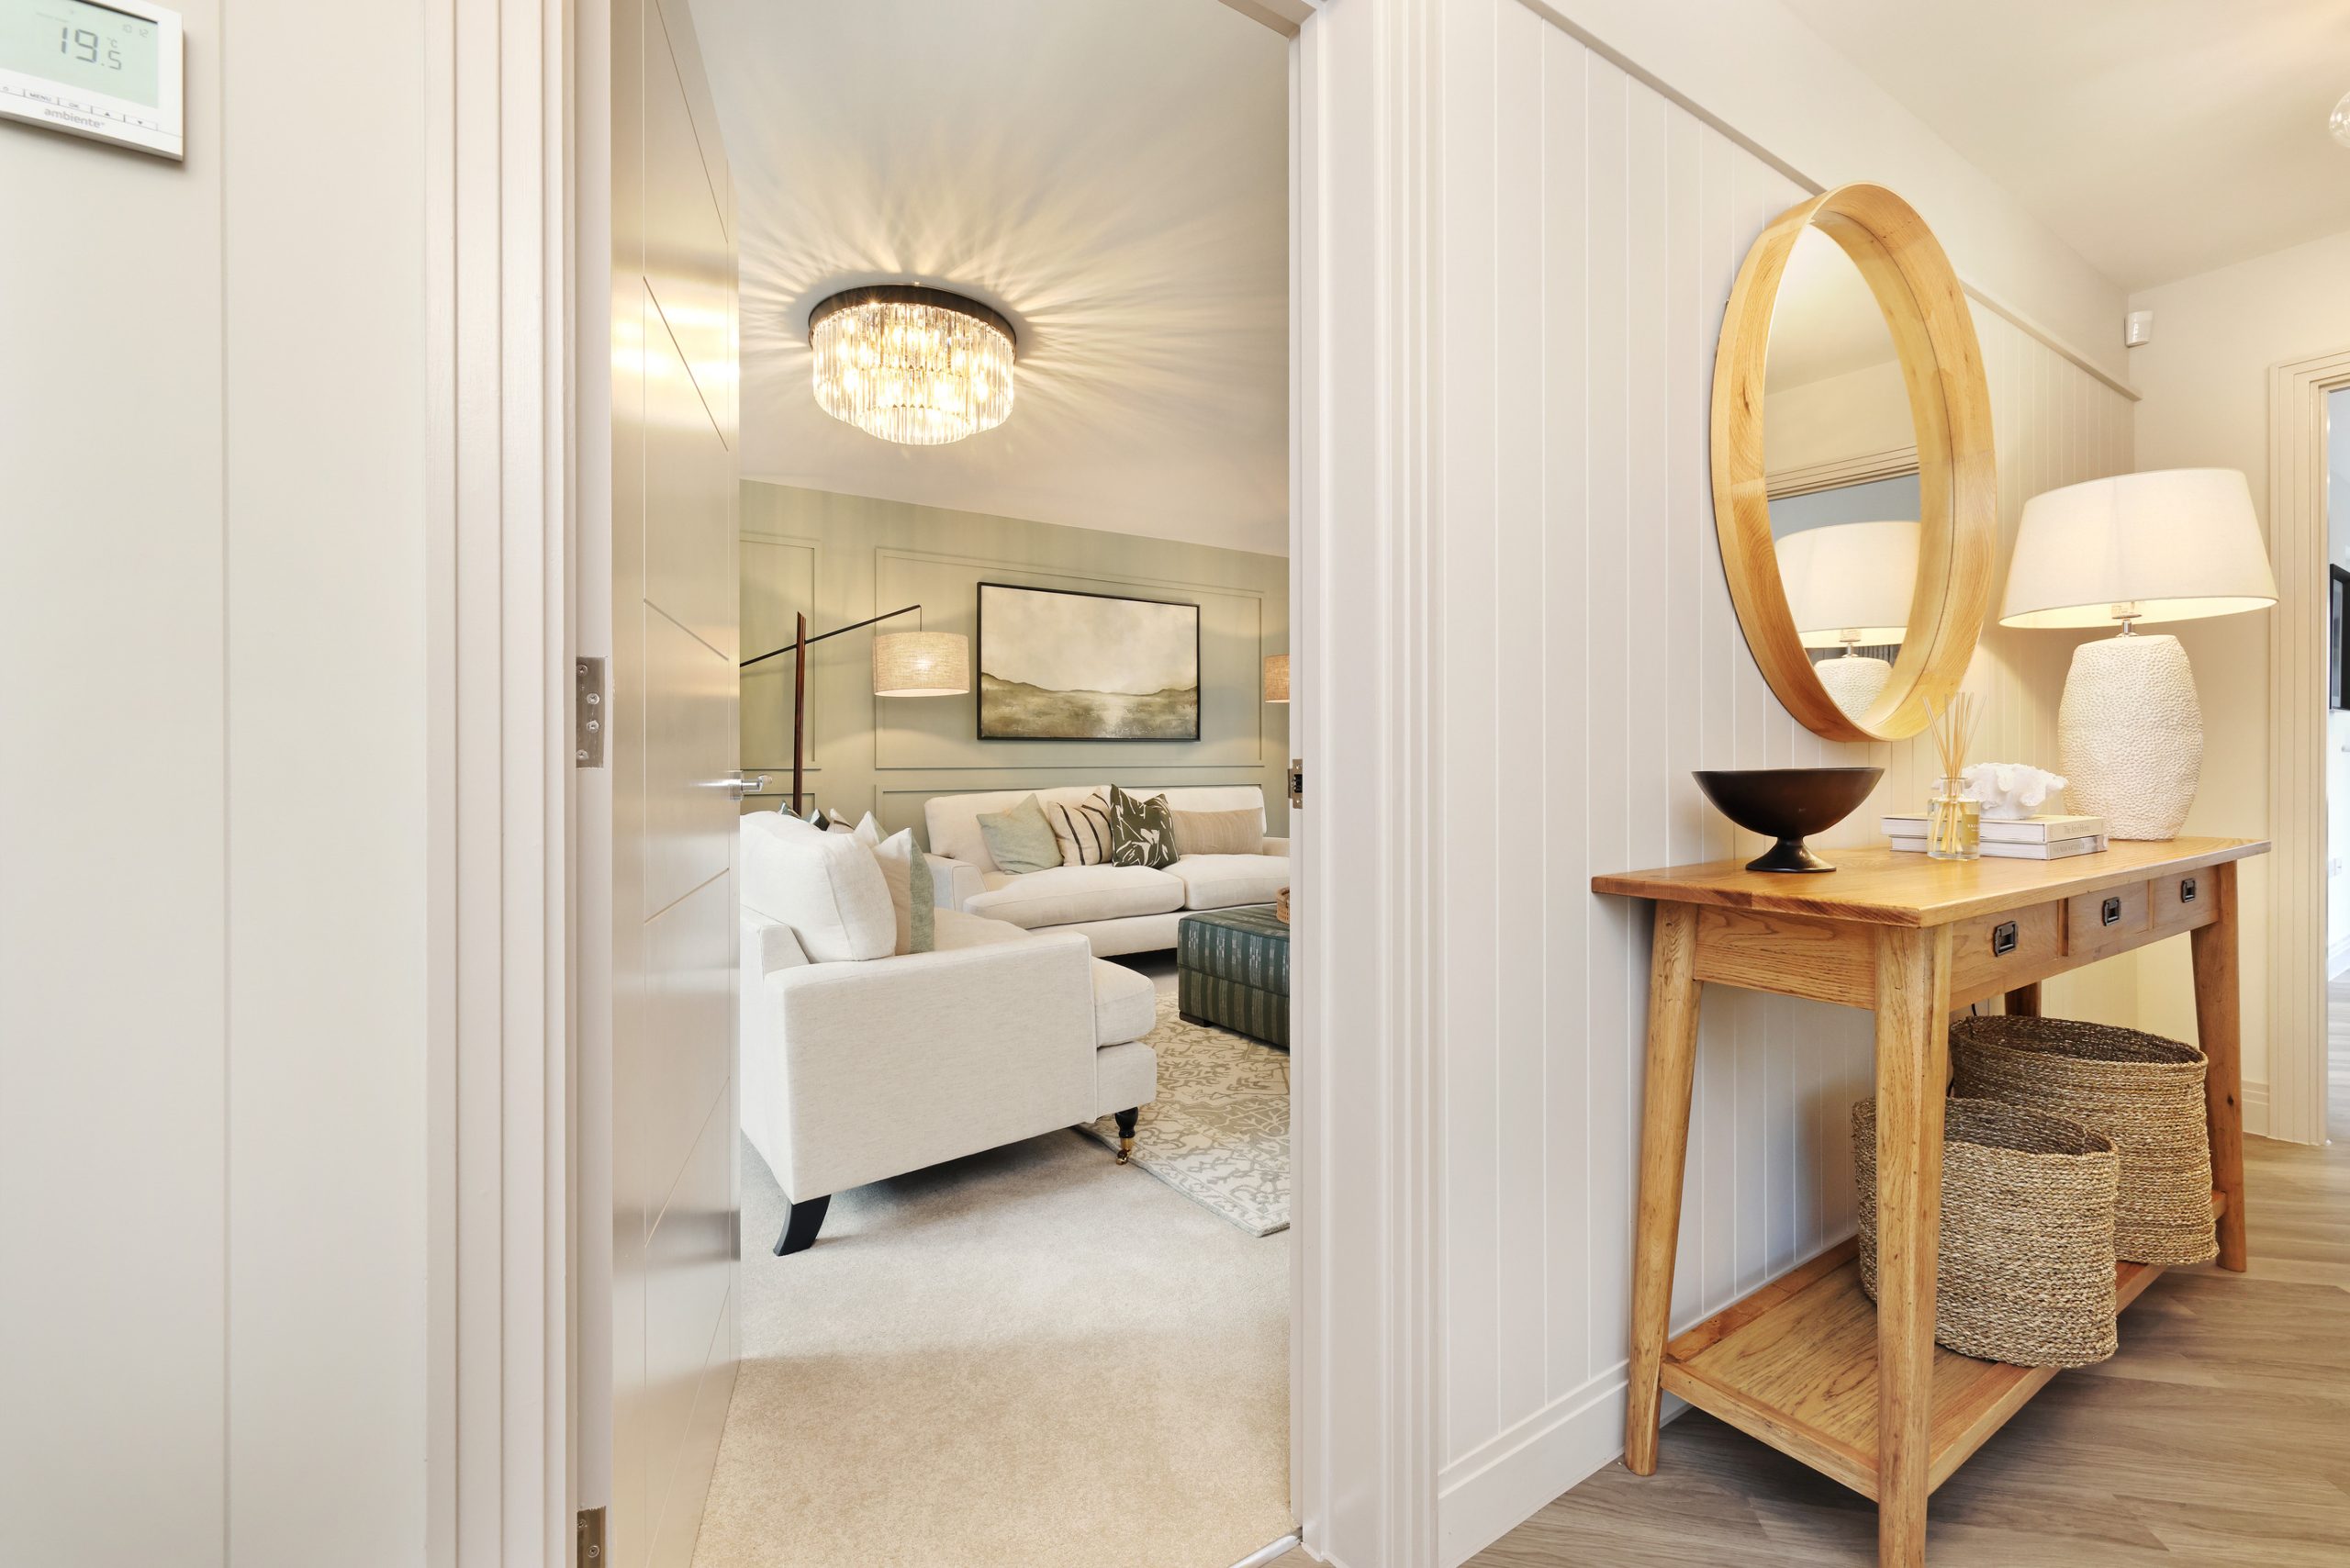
{"x":920,"y":664}
{"x":2171,"y":545}
{"x":1850,"y":582}
{"x":1276,"y":677}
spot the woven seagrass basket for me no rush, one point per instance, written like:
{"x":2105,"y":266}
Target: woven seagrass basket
{"x":2025,"y":1272}
{"x":2141,"y":1091}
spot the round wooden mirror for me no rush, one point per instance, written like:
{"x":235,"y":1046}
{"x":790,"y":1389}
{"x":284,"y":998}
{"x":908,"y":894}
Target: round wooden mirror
{"x":1854,"y":492}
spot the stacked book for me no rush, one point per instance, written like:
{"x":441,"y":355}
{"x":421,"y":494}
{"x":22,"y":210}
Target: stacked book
{"x":2022,"y":838}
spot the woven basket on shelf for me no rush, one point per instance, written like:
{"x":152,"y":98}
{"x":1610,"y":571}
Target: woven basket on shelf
{"x":2141,"y":1091}
{"x":2025,"y":1270}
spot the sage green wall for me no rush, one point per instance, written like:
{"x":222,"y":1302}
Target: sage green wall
{"x":842,"y":558}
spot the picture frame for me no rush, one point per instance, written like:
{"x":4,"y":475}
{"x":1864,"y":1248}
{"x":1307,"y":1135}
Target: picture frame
{"x":1066,"y":664}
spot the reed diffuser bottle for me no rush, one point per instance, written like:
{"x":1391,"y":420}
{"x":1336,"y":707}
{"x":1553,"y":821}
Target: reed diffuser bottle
{"x":1953,"y":823}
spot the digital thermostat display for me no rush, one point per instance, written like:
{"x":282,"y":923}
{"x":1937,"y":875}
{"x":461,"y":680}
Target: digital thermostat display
{"x":110,"y":71}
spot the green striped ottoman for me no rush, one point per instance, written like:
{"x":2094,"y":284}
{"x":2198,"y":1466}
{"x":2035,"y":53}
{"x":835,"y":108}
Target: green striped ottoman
{"x":1232,"y":972}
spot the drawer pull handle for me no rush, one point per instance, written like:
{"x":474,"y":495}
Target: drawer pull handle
{"x":2110,"y":913}
{"x":2003,"y":939}
{"x":2187,"y":890}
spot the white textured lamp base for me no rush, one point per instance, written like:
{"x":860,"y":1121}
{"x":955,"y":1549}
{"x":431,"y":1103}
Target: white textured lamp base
{"x":1852,"y":682}
{"x":2131,"y":734}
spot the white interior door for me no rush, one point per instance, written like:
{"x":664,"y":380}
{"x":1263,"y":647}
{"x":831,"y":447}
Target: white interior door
{"x":675,"y":1205}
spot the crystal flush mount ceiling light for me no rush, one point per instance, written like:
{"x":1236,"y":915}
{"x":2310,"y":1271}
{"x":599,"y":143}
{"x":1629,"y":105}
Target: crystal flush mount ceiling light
{"x":2340,"y":122}
{"x":915,"y":366}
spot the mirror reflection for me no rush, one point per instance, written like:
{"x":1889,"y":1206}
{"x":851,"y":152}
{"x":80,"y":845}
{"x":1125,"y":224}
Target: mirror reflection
{"x":1841,"y":458}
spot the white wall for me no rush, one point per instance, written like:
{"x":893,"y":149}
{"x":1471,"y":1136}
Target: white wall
{"x":1588,"y":659}
{"x":212,"y":990}
{"x":2205,"y":382}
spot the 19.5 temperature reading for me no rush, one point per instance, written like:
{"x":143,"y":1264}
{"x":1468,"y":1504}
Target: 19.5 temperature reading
{"x":84,"y":49}
{"x":85,"y":46}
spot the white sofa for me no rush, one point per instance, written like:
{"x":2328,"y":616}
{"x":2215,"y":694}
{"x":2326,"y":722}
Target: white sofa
{"x":1117,"y":908}
{"x":854,"y":1072}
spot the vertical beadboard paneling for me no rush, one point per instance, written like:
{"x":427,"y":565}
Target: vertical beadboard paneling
{"x":1592,"y":660}
{"x":1471,"y":333}
{"x":1521,"y":1333}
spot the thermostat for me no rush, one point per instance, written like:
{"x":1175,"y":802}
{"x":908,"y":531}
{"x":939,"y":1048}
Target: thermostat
{"x":110,"y":72}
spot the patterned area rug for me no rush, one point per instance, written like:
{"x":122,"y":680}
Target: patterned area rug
{"x":1218,"y":1133}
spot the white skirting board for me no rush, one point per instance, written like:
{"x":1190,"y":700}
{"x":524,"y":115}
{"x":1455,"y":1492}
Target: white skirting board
{"x":1487,"y":1493}
{"x":2255,"y":1109}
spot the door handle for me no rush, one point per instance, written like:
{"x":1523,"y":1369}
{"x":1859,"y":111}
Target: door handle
{"x":735,"y":785}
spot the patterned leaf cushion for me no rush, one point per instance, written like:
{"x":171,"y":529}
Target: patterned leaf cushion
{"x":1083,"y":829}
{"x":1021,"y":839}
{"x":1142,"y":832}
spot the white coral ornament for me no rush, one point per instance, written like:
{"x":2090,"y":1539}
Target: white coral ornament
{"x":2011,"y":791}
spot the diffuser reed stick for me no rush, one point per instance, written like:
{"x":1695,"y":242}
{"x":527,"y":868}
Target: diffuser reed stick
{"x":1957,"y":823}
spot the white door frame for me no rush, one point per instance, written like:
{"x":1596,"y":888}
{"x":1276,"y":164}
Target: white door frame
{"x":498,"y":780}
{"x":2297,"y":759}
{"x":511,"y":458}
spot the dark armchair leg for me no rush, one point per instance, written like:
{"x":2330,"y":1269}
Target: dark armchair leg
{"x":800,"y":1230}
{"x":1126,"y":1134}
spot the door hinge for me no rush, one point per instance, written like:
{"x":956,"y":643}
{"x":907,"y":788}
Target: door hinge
{"x":1297,"y":783}
{"x":587,"y":706}
{"x":591,"y":1527}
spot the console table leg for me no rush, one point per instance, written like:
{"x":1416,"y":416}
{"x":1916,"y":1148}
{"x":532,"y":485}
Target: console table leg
{"x":1912,"y":1076}
{"x":1665,"y":1150}
{"x":2217,"y":1030}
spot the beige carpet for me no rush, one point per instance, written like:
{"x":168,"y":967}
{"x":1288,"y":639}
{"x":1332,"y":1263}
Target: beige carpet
{"x":1027,"y":1358}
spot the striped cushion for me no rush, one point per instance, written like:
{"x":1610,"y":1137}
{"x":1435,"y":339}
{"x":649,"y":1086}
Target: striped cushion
{"x":1082,"y":828}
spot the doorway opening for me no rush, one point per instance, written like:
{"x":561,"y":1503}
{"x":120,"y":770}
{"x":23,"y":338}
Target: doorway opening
{"x":950,"y":1222}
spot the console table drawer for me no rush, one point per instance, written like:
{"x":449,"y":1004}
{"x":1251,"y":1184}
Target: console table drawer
{"x":2182,"y":902}
{"x":2102,"y":919}
{"x":2000,"y":952}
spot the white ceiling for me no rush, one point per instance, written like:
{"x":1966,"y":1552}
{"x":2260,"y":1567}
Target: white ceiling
{"x":1825,"y":322}
{"x":1111,"y":175}
{"x":2159,"y":137}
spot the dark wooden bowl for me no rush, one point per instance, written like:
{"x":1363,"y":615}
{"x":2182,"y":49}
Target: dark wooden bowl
{"x":1786,"y":804}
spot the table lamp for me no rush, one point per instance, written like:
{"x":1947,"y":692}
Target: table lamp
{"x":1850,"y":583}
{"x":2170,"y":545}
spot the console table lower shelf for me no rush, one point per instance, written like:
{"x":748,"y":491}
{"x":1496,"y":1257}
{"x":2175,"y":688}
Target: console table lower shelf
{"x":1794,"y":1365}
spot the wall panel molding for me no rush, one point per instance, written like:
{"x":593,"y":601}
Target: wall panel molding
{"x":867,"y":555}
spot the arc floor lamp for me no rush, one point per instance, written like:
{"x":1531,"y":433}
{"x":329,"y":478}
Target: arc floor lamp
{"x":905,"y":664}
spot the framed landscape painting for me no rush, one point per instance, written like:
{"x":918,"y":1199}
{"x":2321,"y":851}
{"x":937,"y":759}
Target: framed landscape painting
{"x":1058,"y":666}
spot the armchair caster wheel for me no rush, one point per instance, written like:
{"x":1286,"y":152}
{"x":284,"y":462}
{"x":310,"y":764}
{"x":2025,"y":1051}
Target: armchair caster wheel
{"x":1126,"y":1134}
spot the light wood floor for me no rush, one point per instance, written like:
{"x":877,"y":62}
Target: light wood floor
{"x":2218,"y":1438}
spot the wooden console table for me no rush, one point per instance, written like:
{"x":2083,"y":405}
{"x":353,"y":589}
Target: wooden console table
{"x":1803,"y":1363}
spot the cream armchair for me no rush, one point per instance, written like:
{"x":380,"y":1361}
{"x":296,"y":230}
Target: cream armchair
{"x":855,"y":1071}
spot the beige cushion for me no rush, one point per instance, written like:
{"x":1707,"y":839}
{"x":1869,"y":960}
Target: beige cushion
{"x":826,"y":886}
{"x":1063,"y":894}
{"x":1225,"y":881}
{"x":953,"y":821}
{"x":957,"y":931}
{"x":1126,"y":1005}
{"x":1220,"y":832}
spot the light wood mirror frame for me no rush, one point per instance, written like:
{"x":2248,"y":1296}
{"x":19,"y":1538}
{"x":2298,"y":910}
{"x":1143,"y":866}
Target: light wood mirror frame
{"x":1950,"y":404}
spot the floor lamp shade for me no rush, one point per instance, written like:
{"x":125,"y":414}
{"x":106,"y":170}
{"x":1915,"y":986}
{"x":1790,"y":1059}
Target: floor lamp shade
{"x":2175,"y":544}
{"x":920,"y":664}
{"x":1276,"y":677}
{"x":1850,"y":584}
